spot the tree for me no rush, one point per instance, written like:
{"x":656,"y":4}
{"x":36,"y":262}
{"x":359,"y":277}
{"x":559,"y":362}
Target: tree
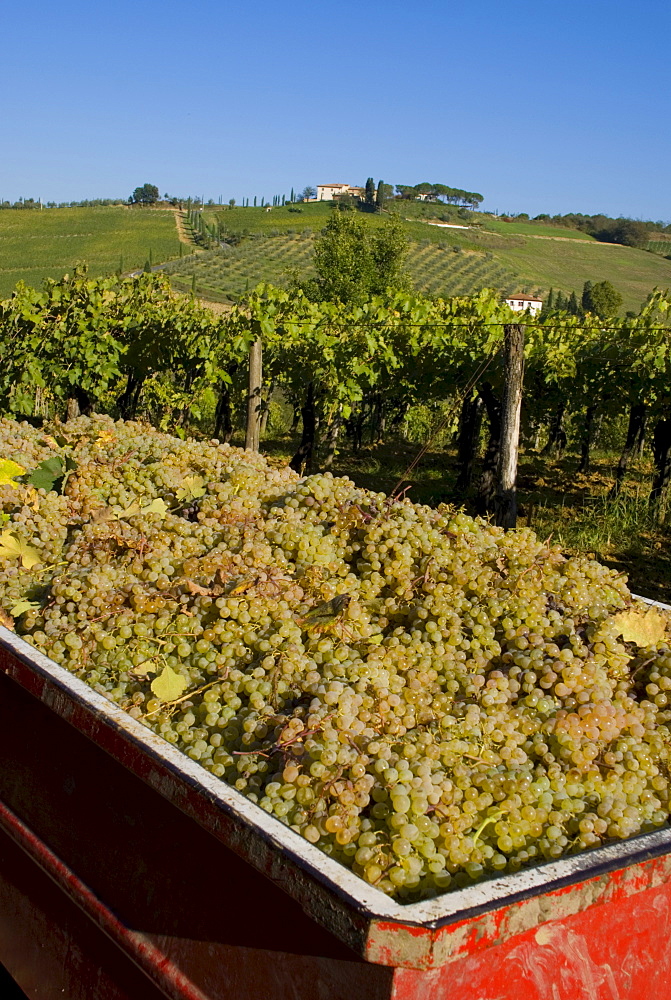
{"x":307,"y":193}
{"x":369,"y":197}
{"x":630,"y":233}
{"x":354,"y":261}
{"x":383,"y":194}
{"x":602,"y":299}
{"x":145,"y":195}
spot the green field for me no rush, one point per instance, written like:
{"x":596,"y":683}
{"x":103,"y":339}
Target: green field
{"x":516,"y":228}
{"x":435,"y":270}
{"x":443,"y":261}
{"x":274,"y":245}
{"x":35,"y":245}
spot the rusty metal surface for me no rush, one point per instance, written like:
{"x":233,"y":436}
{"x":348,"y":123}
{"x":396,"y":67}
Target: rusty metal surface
{"x":445,"y":931}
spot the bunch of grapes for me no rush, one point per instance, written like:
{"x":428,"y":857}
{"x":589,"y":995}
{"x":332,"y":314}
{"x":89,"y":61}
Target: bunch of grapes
{"x":427,"y":698}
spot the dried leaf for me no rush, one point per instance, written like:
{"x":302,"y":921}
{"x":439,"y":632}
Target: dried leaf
{"x":242,"y":588}
{"x":195,"y":588}
{"x":169,"y":685}
{"x":13,"y":547}
{"x":327,"y":612}
{"x":9,"y":471}
{"x":22,"y":606}
{"x":6,"y":620}
{"x":643,"y":628}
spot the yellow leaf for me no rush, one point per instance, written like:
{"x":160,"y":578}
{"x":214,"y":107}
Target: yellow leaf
{"x":144,"y":668}
{"x":13,"y":547}
{"x":22,"y":606}
{"x":169,"y":685}
{"x":8,"y":472}
{"x":643,"y":628}
{"x":157,"y":506}
{"x":192,"y":487}
{"x":104,"y":438}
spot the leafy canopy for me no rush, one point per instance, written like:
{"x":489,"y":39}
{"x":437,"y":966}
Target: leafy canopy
{"x":354,"y":261}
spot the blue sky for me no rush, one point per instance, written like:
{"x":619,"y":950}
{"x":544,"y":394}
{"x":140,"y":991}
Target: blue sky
{"x":540,"y":106}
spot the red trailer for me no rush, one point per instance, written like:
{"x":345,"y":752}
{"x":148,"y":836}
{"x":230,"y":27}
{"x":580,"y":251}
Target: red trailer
{"x":127,"y":872}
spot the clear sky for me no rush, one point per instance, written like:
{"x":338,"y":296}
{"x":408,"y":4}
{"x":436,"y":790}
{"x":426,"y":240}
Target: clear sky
{"x":541,"y":106}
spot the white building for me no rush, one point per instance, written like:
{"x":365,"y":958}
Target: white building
{"x":327,"y":192}
{"x":525,"y":303}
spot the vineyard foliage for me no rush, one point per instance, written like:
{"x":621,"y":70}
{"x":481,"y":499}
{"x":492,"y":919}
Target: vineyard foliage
{"x":132,"y":347}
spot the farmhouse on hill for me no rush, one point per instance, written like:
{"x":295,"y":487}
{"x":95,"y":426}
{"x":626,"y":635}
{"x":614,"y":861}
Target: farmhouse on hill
{"x":327,"y":192}
{"x":525,"y":303}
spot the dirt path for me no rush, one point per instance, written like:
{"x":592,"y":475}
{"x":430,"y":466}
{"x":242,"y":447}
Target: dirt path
{"x":182,"y":233}
{"x":526,"y":236}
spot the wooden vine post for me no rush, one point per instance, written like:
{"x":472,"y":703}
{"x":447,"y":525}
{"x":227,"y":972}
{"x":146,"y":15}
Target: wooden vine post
{"x":506,"y":497}
{"x":254,"y":399}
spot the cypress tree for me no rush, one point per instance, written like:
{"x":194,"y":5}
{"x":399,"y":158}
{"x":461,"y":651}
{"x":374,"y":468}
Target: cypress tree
{"x":370,"y":194}
{"x":254,"y":201}
{"x":573,"y":304}
{"x":550,"y":300}
{"x":291,"y":196}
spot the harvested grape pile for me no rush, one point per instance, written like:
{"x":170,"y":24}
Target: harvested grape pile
{"x":428,"y":699}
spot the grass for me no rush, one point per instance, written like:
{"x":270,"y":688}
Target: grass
{"x":35,"y":245}
{"x":515,"y":228}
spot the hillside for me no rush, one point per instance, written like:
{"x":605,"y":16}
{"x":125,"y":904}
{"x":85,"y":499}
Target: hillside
{"x":35,"y":245}
{"x":508,"y":256}
{"x":274,"y":245}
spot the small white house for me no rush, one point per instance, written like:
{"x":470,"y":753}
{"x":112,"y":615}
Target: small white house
{"x":525,"y":303}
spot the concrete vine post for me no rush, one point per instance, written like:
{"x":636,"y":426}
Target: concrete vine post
{"x":506,"y":496}
{"x":254,"y":398}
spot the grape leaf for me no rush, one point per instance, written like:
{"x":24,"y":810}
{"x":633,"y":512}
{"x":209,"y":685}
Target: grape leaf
{"x":169,"y":685}
{"x":192,"y":487}
{"x":157,"y":506}
{"x":47,"y":473}
{"x":13,"y":547}
{"x":643,"y":628}
{"x":8,"y":471}
{"x":144,"y":668}
{"x":22,"y":606}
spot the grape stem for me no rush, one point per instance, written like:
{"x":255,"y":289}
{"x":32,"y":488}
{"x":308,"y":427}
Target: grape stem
{"x":486,"y":821}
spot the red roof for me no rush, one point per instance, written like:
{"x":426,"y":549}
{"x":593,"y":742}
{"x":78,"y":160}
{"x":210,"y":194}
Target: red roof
{"x":522,"y":298}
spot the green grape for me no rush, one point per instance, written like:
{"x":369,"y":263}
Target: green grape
{"x":461,"y":708}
